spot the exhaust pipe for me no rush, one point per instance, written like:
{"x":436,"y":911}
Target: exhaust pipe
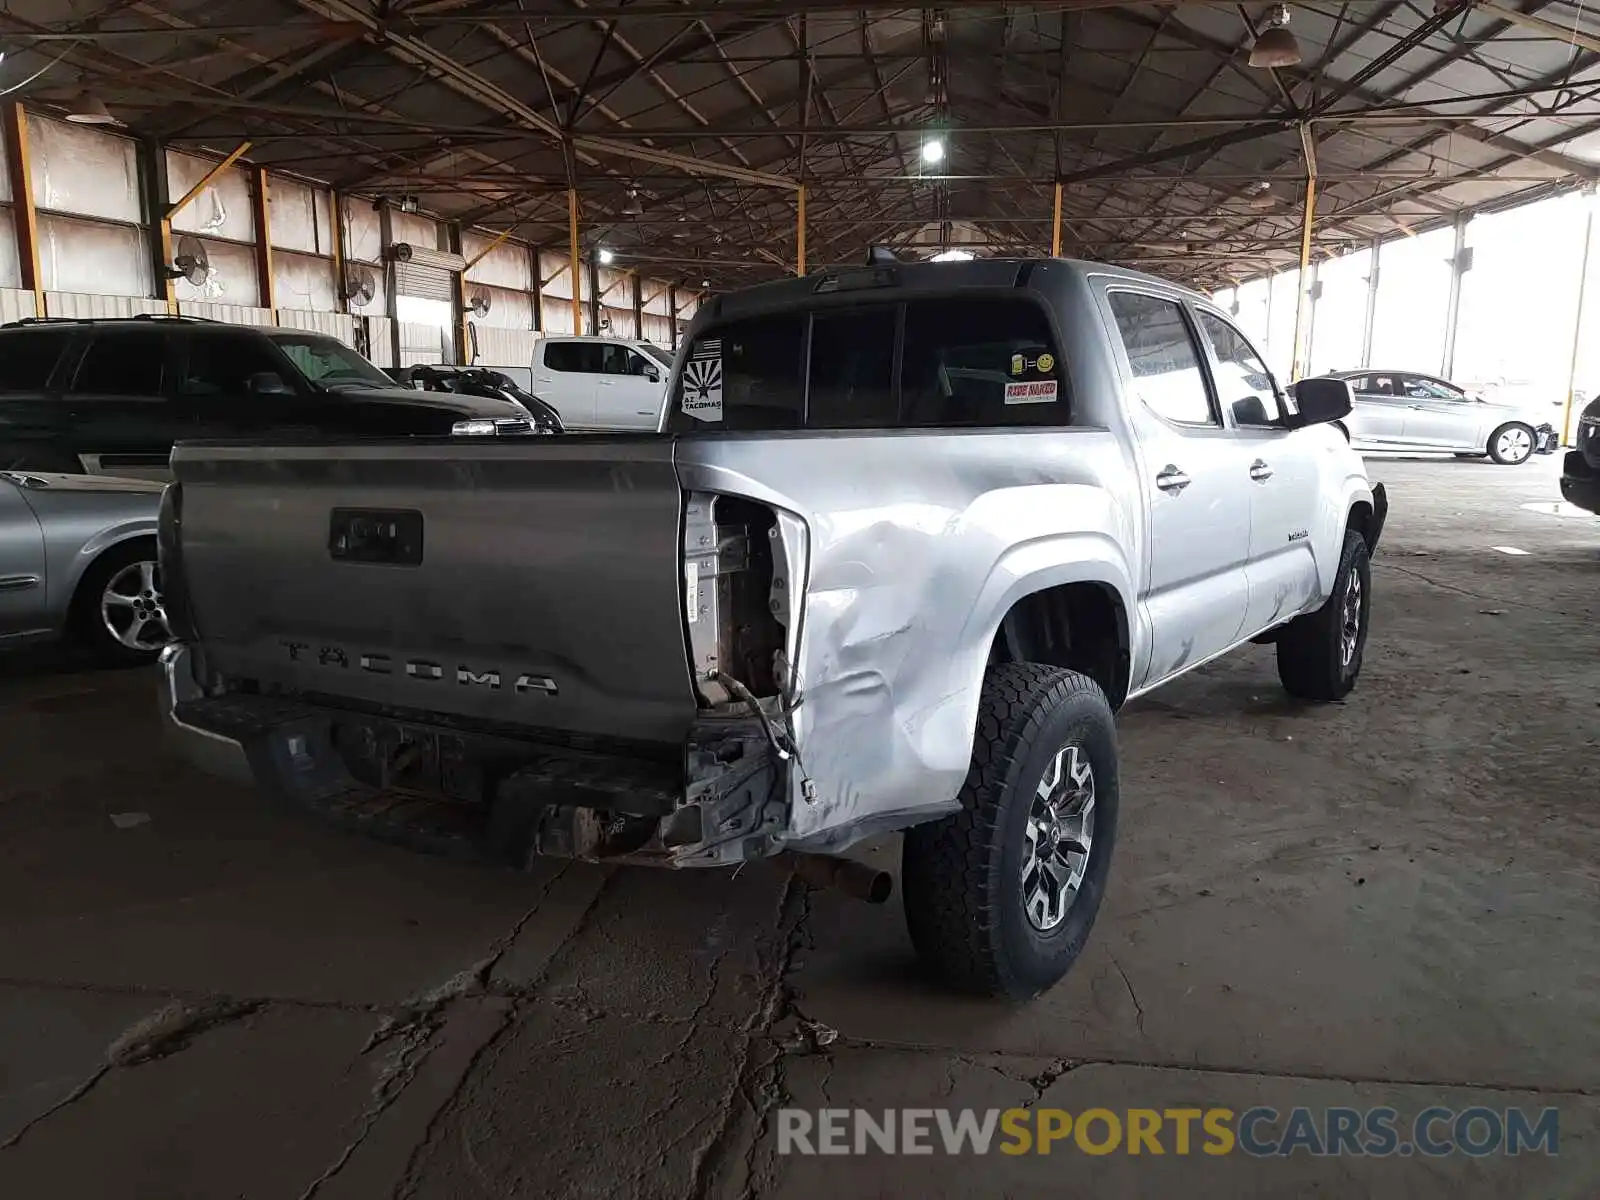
{"x":847,"y":875}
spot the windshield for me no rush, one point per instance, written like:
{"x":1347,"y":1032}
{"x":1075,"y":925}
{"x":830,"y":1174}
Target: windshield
{"x":329,"y":363}
{"x":657,"y":353}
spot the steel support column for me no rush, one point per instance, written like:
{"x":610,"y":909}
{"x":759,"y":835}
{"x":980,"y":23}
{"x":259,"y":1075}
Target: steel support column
{"x":1453,"y":309}
{"x":1055,"y":226}
{"x":1372,"y":304}
{"x":26,"y":219}
{"x":594,"y":294}
{"x":1302,"y":310}
{"x":266,"y":292}
{"x":800,"y":231}
{"x":391,"y":302}
{"x":573,"y":259}
{"x":1590,"y":199}
{"x":672,"y":304}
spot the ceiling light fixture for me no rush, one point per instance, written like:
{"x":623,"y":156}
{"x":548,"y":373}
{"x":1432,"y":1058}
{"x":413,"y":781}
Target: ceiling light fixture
{"x":633,"y":208}
{"x":88,"y":109}
{"x":606,"y":257}
{"x":1275,"y":46}
{"x":933,"y":151}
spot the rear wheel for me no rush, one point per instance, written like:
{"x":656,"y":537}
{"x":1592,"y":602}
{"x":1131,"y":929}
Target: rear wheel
{"x":1511,"y":444}
{"x":1000,"y":897}
{"x":119,"y":613}
{"x":1319,"y":654}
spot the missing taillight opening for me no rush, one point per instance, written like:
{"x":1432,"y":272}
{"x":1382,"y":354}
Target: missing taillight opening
{"x":733,"y":595}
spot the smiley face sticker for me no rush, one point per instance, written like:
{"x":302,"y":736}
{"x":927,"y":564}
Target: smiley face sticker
{"x":1046,"y":363}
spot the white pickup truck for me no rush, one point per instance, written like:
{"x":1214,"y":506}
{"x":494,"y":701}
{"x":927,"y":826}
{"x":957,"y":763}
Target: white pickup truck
{"x":599,"y":383}
{"x":915,"y":531}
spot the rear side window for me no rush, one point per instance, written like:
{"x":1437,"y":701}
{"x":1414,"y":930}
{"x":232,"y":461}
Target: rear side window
{"x":1164,"y":359}
{"x":980,"y":362}
{"x":747,"y":375}
{"x":123,"y":364}
{"x":578,"y":358}
{"x":28,"y":359}
{"x":977,"y":361}
{"x":852,"y":370}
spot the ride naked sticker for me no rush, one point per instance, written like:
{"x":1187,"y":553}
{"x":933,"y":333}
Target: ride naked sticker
{"x":702,"y":382}
{"x":1042,"y":391}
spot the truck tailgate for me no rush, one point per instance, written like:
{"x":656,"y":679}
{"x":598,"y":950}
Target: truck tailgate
{"x":530,"y":582}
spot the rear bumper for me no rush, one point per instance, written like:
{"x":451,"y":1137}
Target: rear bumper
{"x":482,"y":795}
{"x":1580,"y":483}
{"x":213,"y":753}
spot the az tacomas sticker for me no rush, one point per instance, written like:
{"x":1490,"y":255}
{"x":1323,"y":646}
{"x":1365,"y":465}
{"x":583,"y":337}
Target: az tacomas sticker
{"x":702,"y":382}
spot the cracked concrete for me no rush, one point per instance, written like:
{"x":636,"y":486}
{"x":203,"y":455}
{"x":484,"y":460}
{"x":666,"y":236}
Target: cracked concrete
{"x":1386,"y":901}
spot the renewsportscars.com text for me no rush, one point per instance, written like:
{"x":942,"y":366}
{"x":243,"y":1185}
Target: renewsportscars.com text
{"x":1258,"y":1132}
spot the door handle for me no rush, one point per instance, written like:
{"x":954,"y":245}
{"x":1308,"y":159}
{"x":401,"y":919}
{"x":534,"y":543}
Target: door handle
{"x":1171,"y":479}
{"x":1259,"y":471}
{"x":1414,"y":407}
{"x":603,"y":382}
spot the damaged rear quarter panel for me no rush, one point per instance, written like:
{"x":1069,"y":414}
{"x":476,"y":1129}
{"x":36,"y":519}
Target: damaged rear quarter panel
{"x":906,"y":583}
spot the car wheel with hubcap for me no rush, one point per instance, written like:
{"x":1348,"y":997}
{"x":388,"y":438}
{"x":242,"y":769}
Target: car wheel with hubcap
{"x":1000,"y":897}
{"x":1319,"y":654}
{"x":1511,"y":444}
{"x":120,"y":611}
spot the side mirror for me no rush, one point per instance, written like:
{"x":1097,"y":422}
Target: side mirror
{"x":1318,"y":401}
{"x":268,"y":383}
{"x":652,"y":373}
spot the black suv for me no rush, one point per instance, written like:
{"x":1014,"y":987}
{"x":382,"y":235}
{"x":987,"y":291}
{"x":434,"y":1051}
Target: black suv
{"x":1580,"y":476}
{"x":111,"y":397}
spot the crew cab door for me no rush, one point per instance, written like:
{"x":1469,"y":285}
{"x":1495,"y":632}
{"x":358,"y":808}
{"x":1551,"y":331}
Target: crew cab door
{"x":1196,"y":486}
{"x":22,"y":576}
{"x":120,"y":403}
{"x":564,"y":374}
{"x":234,"y":385}
{"x":626,"y":397}
{"x":1378,"y":414}
{"x":1438,"y":416}
{"x":1281,"y":466}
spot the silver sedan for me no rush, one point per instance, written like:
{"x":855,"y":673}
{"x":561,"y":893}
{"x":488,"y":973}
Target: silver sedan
{"x":78,"y":557}
{"x":1407,"y":411}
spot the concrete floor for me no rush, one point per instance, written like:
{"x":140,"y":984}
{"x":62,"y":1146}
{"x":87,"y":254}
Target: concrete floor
{"x":1394,"y":900}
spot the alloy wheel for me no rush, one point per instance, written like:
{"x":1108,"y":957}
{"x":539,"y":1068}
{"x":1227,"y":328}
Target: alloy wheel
{"x":1350,"y":625}
{"x":1057,"y":838}
{"x":1514,"y":444}
{"x":131,"y":607}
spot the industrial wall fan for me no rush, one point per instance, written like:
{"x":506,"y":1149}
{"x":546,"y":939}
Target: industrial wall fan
{"x":191,"y":262}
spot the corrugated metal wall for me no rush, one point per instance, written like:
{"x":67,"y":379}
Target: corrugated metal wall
{"x":16,"y":304}
{"x":78,"y":304}
{"x":421,"y":344}
{"x":339,"y":325}
{"x":95,"y":255}
{"x":231,"y":314}
{"x":380,"y":348}
{"x":505,"y":347}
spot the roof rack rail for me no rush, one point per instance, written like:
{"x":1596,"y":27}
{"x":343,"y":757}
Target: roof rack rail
{"x":184,"y":317}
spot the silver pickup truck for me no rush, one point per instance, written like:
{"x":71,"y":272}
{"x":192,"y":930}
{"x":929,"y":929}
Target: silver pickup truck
{"x":908,"y":537}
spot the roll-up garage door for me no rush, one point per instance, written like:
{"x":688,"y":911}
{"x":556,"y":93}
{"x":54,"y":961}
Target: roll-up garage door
{"x":426,"y":274}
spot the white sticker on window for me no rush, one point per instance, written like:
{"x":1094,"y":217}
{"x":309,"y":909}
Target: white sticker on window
{"x":1041,"y":392}
{"x":702,"y":383}
{"x":691,"y":590}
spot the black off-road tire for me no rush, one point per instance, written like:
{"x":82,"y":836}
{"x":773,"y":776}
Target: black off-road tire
{"x":1311,"y":660}
{"x":962,"y":876}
